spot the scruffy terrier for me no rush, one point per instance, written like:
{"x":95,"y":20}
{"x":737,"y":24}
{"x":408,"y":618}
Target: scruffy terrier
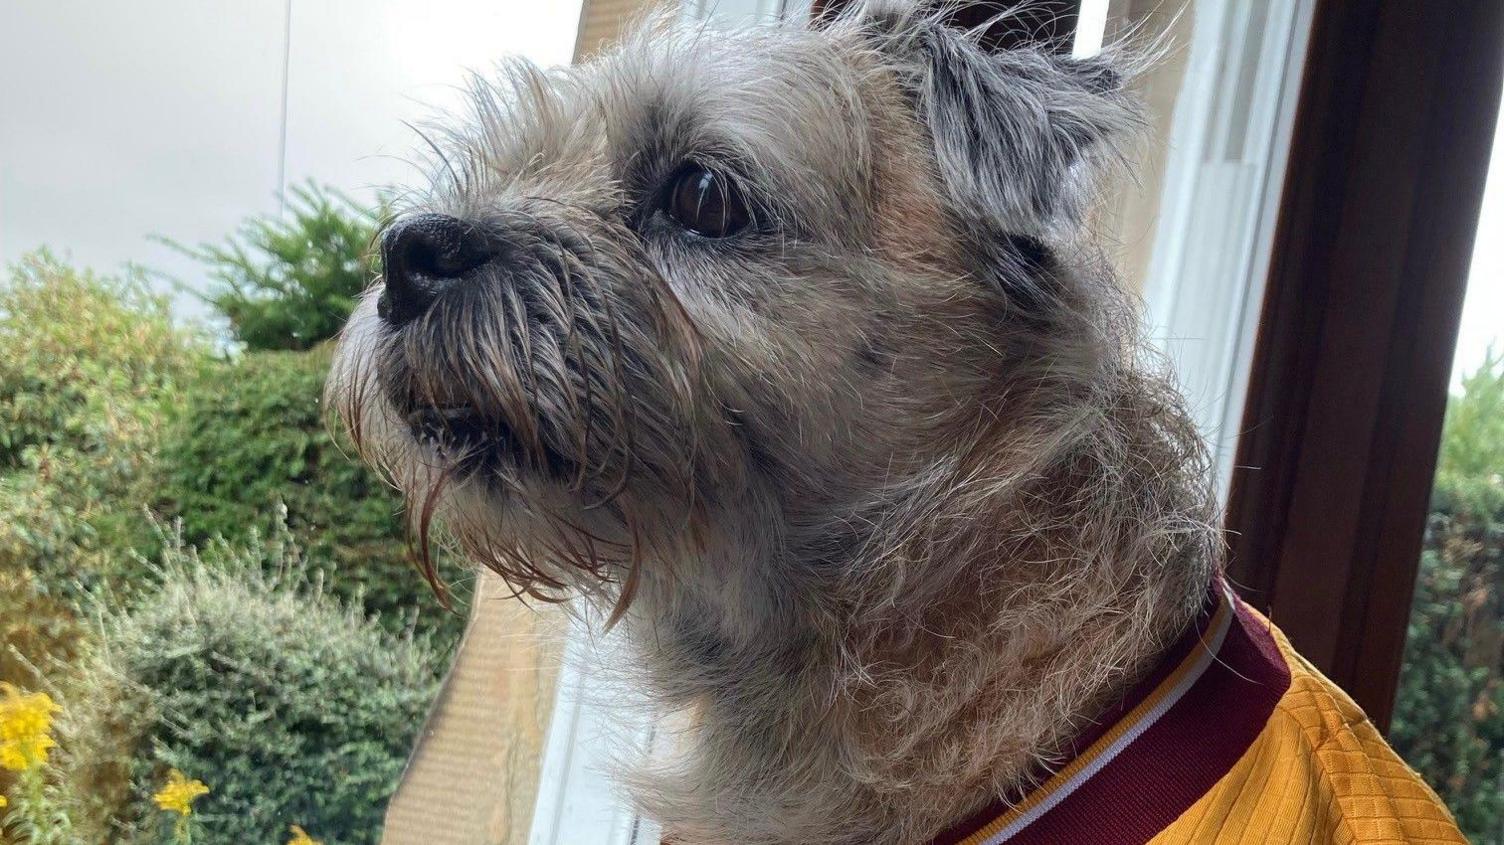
{"x":788,"y":351}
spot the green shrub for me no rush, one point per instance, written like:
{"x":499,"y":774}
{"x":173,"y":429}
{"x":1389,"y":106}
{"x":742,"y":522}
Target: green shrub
{"x":84,"y":359}
{"x":1473,"y":444}
{"x":250,"y":436}
{"x":87,"y":364}
{"x":1449,"y":712}
{"x":290,"y":283}
{"x":108,"y":408}
{"x":244,"y":672}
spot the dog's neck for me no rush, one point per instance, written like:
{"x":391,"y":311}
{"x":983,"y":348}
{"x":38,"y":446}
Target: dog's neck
{"x":985,"y":613}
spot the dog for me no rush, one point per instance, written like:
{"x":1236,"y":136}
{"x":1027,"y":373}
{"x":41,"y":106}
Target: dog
{"x":788,"y":351}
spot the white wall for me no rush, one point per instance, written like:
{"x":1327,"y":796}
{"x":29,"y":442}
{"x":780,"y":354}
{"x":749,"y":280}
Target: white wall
{"x":119,"y":120}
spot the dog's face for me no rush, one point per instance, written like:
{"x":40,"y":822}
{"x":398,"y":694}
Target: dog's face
{"x":708,"y":299}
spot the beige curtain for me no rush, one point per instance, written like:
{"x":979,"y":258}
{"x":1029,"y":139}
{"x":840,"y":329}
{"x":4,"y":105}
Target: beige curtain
{"x":602,"y":21}
{"x":473,"y":775}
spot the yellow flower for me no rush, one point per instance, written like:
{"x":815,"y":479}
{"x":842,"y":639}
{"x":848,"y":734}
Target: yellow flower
{"x":25,"y":728}
{"x":301,"y":837}
{"x":4,"y":802}
{"x":179,"y":793}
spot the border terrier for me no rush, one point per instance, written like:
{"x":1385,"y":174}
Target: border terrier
{"x":788,"y":351}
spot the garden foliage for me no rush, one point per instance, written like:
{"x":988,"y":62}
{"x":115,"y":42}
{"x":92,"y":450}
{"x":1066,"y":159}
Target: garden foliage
{"x":250,"y":436}
{"x":87,"y":364}
{"x":78,"y":351}
{"x":1449,"y":714}
{"x":293,"y":689}
{"x":244,"y":671}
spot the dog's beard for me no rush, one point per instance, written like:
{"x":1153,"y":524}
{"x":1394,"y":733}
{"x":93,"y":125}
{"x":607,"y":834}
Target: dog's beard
{"x":533,"y":414}
{"x":513,"y":379}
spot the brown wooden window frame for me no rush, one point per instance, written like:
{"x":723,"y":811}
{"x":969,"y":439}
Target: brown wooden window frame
{"x":1390,"y":152}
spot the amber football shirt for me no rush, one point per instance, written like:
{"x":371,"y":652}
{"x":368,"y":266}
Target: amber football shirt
{"x":1236,"y":739}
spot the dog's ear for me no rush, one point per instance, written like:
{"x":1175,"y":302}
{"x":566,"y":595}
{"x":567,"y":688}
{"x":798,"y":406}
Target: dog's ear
{"x":1018,"y":128}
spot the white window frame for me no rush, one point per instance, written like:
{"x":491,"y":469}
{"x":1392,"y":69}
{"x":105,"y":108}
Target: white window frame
{"x":577,"y":800}
{"x":1218,"y":211}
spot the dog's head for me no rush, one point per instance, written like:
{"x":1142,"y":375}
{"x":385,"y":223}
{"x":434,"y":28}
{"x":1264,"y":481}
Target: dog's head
{"x":718,"y":297}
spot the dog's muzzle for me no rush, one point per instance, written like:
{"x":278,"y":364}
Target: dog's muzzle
{"x":437,"y":268}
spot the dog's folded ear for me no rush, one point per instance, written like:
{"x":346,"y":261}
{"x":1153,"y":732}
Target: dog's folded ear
{"x":1019,"y":128}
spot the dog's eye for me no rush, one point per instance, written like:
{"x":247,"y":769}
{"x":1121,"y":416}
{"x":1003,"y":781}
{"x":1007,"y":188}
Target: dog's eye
{"x":707,"y":203}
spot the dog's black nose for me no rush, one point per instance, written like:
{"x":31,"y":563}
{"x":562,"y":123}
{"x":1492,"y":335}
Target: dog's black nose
{"x":422,"y":255}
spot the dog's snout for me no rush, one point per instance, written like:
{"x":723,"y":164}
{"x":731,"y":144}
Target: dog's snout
{"x":421,"y":256}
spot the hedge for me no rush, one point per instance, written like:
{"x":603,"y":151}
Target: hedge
{"x":249,"y":437}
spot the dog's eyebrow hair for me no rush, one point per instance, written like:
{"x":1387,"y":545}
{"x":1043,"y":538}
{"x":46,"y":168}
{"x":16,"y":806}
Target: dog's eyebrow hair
{"x":651,"y":147}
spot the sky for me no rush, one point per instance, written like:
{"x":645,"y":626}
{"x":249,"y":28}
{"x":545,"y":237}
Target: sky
{"x":124,"y":120}
{"x":1483,"y":312}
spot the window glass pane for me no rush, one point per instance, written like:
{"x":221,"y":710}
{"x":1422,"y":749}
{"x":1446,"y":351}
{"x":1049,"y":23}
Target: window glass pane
{"x":187,"y":119}
{"x":1449,"y":712}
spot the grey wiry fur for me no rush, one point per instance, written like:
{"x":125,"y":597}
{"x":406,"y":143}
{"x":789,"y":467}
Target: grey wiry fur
{"x":883,"y":494}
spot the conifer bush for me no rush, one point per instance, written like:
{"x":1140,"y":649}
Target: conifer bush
{"x":288,"y":282}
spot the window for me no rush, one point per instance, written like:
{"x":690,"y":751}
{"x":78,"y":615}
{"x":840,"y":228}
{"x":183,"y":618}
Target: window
{"x":1449,"y":709}
{"x":185,"y":120}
